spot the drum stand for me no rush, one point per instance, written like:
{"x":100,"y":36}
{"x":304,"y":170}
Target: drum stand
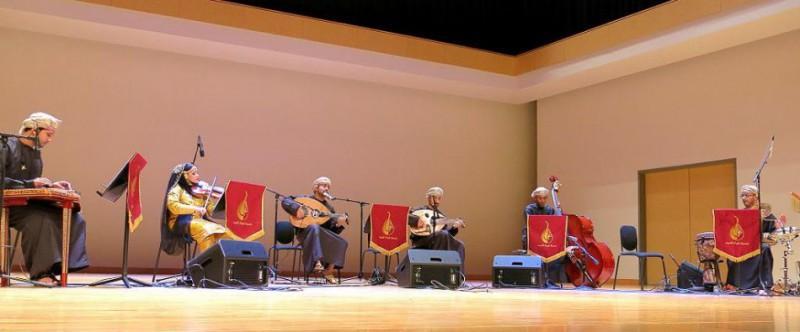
{"x":786,"y":285}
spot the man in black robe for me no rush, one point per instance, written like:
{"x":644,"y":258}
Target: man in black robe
{"x":555,"y":269}
{"x":39,"y":222}
{"x":322,"y":245}
{"x":440,"y":240}
{"x":756,"y":271}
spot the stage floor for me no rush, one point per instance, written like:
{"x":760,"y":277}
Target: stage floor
{"x":354,"y":306}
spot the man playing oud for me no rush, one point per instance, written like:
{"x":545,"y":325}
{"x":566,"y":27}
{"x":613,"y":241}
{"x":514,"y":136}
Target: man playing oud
{"x":318,"y":226}
{"x":422,"y":219}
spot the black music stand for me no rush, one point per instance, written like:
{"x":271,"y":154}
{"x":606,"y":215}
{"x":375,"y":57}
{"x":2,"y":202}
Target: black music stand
{"x":112,"y":193}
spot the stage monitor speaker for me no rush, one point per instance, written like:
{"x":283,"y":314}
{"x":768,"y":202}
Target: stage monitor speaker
{"x":230,"y":263}
{"x":422,"y":267}
{"x":689,"y":276}
{"x":517,"y":271}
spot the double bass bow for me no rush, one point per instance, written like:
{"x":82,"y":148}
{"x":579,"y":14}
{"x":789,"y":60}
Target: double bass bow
{"x":591,"y":262}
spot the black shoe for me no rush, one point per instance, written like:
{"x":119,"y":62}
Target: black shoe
{"x":551,"y":285}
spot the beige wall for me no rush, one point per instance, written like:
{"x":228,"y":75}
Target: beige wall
{"x":718,"y":106}
{"x":282,"y":129}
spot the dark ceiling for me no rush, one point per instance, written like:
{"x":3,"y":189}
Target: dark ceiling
{"x":504,"y":26}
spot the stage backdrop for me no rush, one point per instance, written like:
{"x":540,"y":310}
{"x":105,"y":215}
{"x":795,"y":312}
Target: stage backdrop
{"x":261,"y":125}
{"x":718,"y":106}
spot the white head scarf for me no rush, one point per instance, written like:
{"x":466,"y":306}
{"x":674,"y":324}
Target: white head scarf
{"x":750,"y":189}
{"x":39,"y":120}
{"x":540,"y":191}
{"x":435,"y":191}
{"x":321,"y":180}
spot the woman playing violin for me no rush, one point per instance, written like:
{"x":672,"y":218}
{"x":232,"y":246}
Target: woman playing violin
{"x":185,"y":205}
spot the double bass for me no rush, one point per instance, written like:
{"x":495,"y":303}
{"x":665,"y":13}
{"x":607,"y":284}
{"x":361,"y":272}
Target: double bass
{"x":591,"y":263}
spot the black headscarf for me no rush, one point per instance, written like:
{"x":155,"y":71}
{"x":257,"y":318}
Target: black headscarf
{"x":173,"y":241}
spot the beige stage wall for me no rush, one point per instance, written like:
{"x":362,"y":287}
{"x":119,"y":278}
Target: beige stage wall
{"x":718,"y":106}
{"x":279,"y":128}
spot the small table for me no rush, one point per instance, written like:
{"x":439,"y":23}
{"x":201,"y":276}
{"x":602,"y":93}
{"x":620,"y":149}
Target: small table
{"x":66,"y":199}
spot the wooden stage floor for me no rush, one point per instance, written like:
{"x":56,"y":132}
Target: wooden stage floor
{"x":356,"y":307}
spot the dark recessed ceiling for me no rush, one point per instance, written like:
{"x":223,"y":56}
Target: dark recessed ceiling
{"x":503,"y":26}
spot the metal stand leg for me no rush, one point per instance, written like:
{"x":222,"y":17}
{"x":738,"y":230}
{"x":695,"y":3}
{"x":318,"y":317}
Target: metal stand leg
{"x":126,"y":280}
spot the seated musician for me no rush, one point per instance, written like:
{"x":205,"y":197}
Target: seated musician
{"x":184,"y":211}
{"x":443,"y":239}
{"x":40,"y":222}
{"x":323,"y":249}
{"x":555,"y":269}
{"x":745,"y":275}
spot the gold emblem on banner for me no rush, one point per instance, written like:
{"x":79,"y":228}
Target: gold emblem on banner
{"x":135,"y":186}
{"x":388,"y":226}
{"x":736,"y":233}
{"x":547,"y":235}
{"x":242,"y":209}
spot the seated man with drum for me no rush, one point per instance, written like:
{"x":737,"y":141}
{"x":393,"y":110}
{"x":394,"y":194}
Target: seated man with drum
{"x":754,"y":272}
{"x":318,"y":226}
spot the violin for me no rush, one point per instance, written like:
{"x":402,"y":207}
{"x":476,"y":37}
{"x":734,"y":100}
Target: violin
{"x":591,"y":262}
{"x":202,"y":189}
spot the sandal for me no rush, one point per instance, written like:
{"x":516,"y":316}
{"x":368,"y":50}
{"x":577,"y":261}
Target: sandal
{"x":330,"y":279}
{"x":47,"y":280}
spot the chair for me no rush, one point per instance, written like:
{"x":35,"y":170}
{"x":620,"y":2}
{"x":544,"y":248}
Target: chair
{"x":284,"y":241}
{"x":387,"y":262}
{"x":629,"y":243}
{"x":14,"y":253}
{"x":187,"y":254}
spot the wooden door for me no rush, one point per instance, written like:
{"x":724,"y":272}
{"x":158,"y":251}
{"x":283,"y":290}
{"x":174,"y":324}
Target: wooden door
{"x":677,"y":205}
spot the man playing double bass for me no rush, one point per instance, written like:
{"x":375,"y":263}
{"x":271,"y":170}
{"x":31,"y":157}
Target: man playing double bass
{"x":555,"y":269}
{"x":322,"y":245}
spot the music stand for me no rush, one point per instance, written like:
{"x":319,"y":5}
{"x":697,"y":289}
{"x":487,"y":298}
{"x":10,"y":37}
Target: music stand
{"x":112,"y":193}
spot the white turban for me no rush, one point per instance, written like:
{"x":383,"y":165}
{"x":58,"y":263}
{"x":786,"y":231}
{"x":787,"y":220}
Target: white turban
{"x":540,"y":191}
{"x":435,"y":191}
{"x":321,"y":180}
{"x":750,"y":189}
{"x":39,"y":120}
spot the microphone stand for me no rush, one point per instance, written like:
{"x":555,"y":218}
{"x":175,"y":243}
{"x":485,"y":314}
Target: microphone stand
{"x":196,"y":149}
{"x":5,"y":265}
{"x":274,"y":268}
{"x":757,"y":182}
{"x":361,"y":205}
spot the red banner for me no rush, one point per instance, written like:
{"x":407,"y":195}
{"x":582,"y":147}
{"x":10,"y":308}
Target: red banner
{"x":737,"y":233}
{"x":135,"y":166}
{"x":547,"y":236}
{"x":389,"y":228}
{"x":244,"y":210}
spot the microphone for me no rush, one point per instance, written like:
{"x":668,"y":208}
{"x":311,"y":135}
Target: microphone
{"x":328,"y":196}
{"x":572,"y":239}
{"x":200,"y":145}
{"x":36,"y":144}
{"x":771,"y":146}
